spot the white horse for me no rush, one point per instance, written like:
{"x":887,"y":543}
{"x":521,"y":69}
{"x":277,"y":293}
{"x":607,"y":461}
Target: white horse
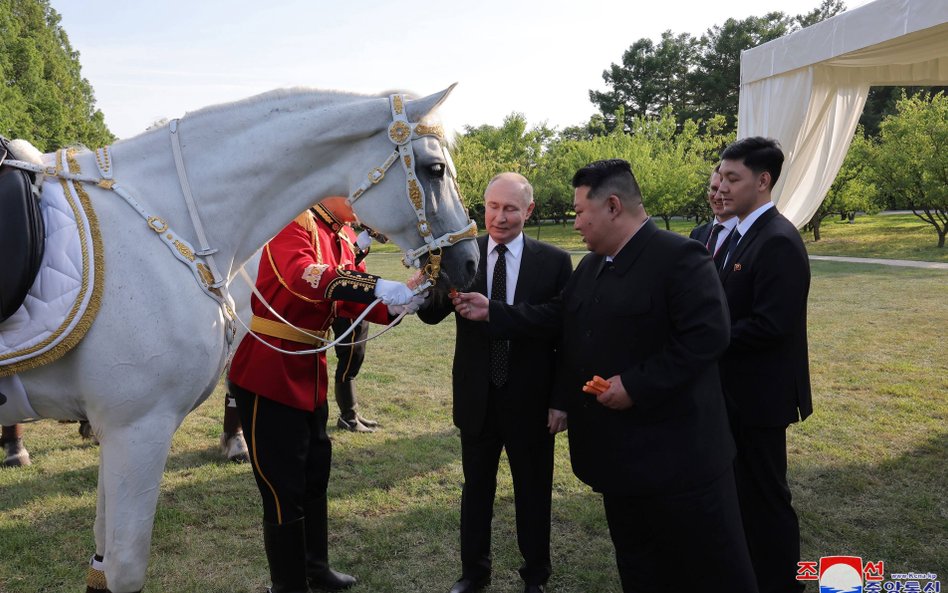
{"x":158,"y":345}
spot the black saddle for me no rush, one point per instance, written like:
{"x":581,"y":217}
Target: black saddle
{"x":22,"y":234}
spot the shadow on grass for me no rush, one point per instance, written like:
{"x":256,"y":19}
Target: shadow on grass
{"x":895,"y":511}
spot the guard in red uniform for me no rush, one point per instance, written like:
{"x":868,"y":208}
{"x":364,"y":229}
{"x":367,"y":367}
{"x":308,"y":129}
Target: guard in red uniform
{"x":309,"y":280}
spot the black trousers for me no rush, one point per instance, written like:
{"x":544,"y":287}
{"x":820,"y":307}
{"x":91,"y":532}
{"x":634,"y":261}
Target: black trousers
{"x":529,"y":447}
{"x":770,"y":523}
{"x":681,"y":542}
{"x":290,"y":453}
{"x":349,"y":356}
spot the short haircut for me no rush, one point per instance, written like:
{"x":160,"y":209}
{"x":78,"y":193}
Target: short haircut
{"x":526,"y":190}
{"x":607,"y":177}
{"x":759,"y":154}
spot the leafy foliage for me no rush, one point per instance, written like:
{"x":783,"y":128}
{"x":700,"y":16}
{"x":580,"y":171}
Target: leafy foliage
{"x":698,"y":78}
{"x":853,"y":189}
{"x":910,"y":164}
{"x":485,"y":151}
{"x":43,"y":96}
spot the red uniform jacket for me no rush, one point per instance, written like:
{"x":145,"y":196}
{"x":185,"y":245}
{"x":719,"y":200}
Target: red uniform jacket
{"x":309,"y":276}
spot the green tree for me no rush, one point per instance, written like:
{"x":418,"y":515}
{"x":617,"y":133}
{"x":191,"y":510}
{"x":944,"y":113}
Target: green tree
{"x":910,"y":164}
{"x":882,"y":101}
{"x":671,"y":164}
{"x":852,"y":190}
{"x":822,"y":12}
{"x":651,"y":77}
{"x":44,"y":98}
{"x":484,"y":151}
{"x":715,"y":80}
{"x":698,"y":78}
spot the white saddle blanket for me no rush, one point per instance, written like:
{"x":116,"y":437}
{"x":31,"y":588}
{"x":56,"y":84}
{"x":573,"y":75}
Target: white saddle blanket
{"x":64,"y":298}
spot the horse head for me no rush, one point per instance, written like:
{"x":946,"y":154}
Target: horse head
{"x":429,"y":220}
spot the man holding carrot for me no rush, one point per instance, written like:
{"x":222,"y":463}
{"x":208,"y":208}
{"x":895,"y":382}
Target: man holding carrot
{"x":642,"y":322}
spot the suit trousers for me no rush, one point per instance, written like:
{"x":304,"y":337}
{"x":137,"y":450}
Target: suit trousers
{"x":529,"y":447}
{"x":771,"y":524}
{"x":290,"y":453}
{"x":681,"y":542}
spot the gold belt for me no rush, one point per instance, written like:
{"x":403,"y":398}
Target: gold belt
{"x":276,"y":329}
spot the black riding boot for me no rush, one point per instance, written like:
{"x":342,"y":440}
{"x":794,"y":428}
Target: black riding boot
{"x":318,"y":573}
{"x":349,"y":418}
{"x":286,"y":553}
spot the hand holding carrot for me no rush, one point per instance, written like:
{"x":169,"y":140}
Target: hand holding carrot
{"x":610,"y":393}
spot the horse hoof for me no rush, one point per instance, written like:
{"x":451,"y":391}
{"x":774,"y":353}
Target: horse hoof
{"x":85,"y":431}
{"x":16,"y":454}
{"x":234,"y":447}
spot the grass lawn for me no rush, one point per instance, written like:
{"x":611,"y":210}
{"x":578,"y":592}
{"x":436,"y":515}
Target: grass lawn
{"x":868,"y":470}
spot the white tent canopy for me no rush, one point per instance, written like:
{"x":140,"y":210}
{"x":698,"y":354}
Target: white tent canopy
{"x":808,"y":89}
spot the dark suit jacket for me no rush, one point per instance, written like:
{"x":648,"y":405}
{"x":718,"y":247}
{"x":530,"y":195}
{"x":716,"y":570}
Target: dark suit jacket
{"x":702,"y":233}
{"x":544,"y":271}
{"x":765,"y":371}
{"x":657,"y":317}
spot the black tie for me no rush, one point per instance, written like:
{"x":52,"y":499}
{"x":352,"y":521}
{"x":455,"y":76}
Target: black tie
{"x":713,"y":239}
{"x":499,"y":349}
{"x":731,"y":247}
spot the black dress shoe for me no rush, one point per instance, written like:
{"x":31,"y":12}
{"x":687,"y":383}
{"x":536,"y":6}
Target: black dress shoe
{"x":534,"y":589}
{"x":466,"y":585}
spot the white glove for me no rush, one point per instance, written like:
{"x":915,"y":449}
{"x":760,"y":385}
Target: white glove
{"x":393,"y":293}
{"x":411,"y":307}
{"x":364,"y":240}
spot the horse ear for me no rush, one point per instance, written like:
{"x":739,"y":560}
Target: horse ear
{"x":416,"y":109}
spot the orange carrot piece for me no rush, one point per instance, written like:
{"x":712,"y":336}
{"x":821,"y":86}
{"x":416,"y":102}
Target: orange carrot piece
{"x":600,"y":382}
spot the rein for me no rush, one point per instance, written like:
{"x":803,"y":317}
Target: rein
{"x":327,"y":343}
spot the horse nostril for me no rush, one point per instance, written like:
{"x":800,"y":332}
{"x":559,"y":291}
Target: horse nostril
{"x":471,"y":268}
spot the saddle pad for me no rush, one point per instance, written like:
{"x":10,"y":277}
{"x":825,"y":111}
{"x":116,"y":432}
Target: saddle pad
{"x":65,"y":297}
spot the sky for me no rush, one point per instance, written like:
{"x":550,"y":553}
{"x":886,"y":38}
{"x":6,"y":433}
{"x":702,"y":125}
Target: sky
{"x":152,"y":60}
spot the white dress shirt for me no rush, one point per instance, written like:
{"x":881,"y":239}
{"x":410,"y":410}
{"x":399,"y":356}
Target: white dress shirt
{"x":514,"y":257}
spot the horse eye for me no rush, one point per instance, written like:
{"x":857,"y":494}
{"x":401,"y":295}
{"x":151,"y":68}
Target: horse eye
{"x":437,"y":170}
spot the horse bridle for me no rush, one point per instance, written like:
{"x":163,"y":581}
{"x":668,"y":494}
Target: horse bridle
{"x":401,"y":132}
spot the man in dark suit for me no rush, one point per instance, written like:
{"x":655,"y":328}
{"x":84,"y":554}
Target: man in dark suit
{"x":645,"y":311}
{"x":715,"y":234}
{"x":502,"y":390}
{"x":765,"y":371}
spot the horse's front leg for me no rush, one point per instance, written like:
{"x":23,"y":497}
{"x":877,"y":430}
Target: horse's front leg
{"x":95,"y":579}
{"x":132,"y":460}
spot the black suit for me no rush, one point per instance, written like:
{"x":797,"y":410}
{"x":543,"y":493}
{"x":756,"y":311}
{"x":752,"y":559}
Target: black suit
{"x":513,"y":417}
{"x":656,"y":317}
{"x":766,"y":379}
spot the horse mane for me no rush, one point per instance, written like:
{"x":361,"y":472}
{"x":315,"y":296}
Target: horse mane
{"x":327,"y":97}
